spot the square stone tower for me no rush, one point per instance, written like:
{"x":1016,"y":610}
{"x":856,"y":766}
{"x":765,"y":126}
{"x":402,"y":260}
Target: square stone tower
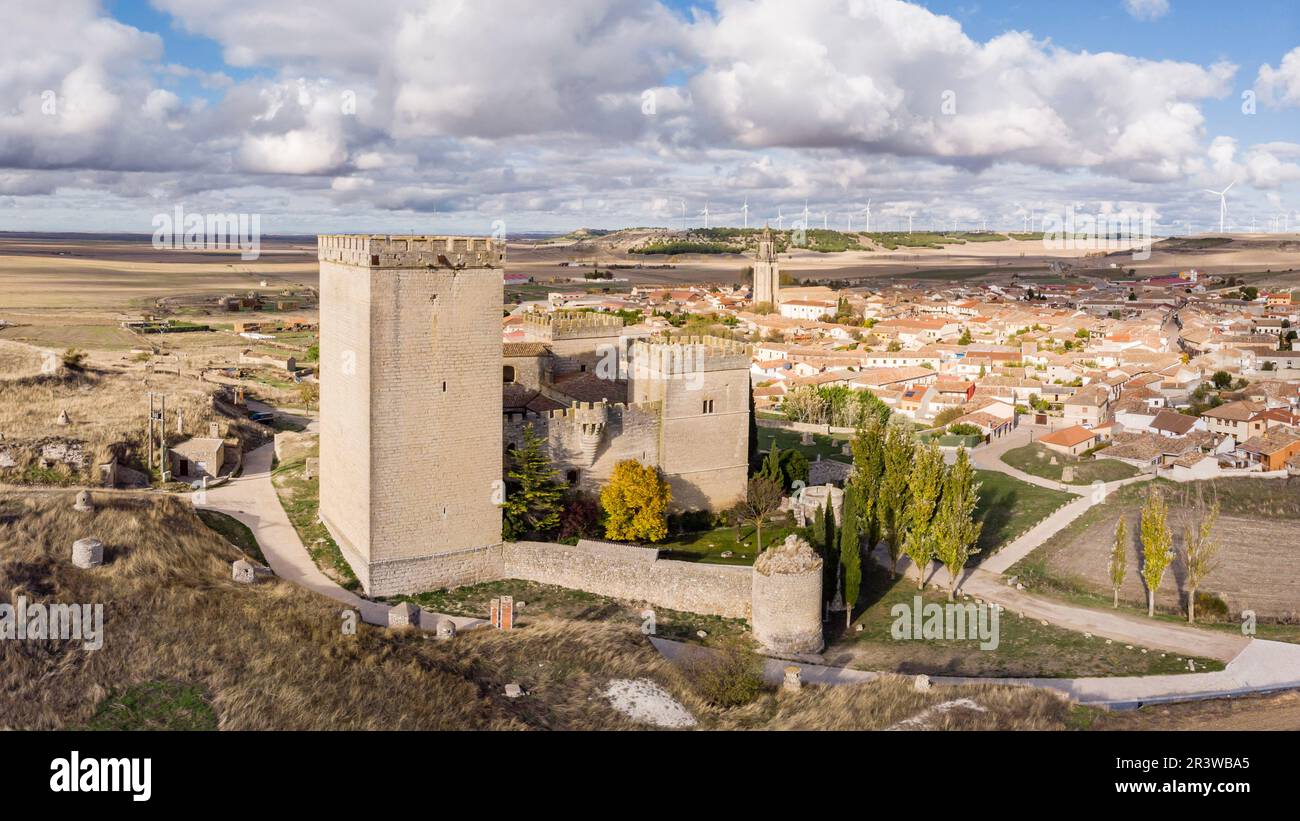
{"x":701,"y":384}
{"x":410,"y":407}
{"x":767,"y":273}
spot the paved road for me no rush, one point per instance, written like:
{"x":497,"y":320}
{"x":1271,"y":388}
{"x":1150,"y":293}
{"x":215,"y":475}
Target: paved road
{"x":252,"y":500}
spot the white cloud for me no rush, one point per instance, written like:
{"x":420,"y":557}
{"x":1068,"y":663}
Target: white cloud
{"x":1147,"y":9}
{"x":1280,"y":86}
{"x":501,"y":108}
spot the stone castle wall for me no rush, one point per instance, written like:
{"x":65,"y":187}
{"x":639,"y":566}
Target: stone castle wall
{"x":628,"y":432}
{"x":633,"y":573}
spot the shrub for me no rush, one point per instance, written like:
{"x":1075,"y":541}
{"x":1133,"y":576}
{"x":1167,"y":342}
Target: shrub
{"x":964,"y":429}
{"x":731,"y":676}
{"x":1210,"y":607}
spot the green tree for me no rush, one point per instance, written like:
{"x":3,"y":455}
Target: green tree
{"x":965,"y":338}
{"x":1157,"y":545}
{"x":636,"y":503}
{"x":924,"y":489}
{"x":956,"y":530}
{"x":1221,"y":379}
{"x":762,"y":499}
{"x":868,"y":473}
{"x":851,"y":553}
{"x":945,"y":416}
{"x":891,"y":505}
{"x":534,"y":499}
{"x":1119,"y":558}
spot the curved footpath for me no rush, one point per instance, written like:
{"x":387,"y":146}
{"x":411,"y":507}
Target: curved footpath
{"x":252,"y":499}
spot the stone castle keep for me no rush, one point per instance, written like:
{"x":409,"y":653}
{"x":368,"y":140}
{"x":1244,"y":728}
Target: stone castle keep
{"x":599,"y":398}
{"x":419,"y":400}
{"x":410,"y":391}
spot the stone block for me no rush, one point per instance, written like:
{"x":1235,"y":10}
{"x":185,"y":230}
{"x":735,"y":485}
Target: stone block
{"x":243,"y":572}
{"x":404,"y":615}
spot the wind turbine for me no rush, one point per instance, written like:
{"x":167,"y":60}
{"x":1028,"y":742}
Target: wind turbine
{"x":849,"y":217}
{"x":867,"y":211}
{"x":705,"y":212}
{"x":805,"y":215}
{"x":744,"y":209}
{"x":909,"y":222}
{"x":683,"y":216}
{"x":824,"y":218}
{"x":1223,"y":203}
{"x":780,"y":219}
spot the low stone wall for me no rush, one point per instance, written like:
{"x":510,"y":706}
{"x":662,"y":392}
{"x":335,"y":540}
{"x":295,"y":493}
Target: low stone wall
{"x":633,"y":573}
{"x":801,"y":427}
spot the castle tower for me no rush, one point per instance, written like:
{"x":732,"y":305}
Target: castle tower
{"x":767,"y":274}
{"x":410,"y":407}
{"x":701,"y":385}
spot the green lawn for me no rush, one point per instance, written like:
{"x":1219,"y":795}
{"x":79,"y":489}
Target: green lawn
{"x":1036,"y":460}
{"x":234,"y":531}
{"x":828,"y":447}
{"x":1025,"y":648}
{"x":156,"y":705}
{"x":550,"y":601}
{"x":709,"y":545}
{"x":1009,"y":507}
{"x":300,"y":499}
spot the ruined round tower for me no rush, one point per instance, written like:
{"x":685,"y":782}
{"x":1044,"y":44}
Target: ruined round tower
{"x":786,"y":598}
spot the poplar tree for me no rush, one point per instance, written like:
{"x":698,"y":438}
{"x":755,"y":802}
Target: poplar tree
{"x":1157,"y":545}
{"x":851,"y":552}
{"x":1200,"y":548}
{"x":868,"y":473}
{"x":891,"y":505}
{"x":1119,"y":559}
{"x":955,"y":529}
{"x":925,"y":486}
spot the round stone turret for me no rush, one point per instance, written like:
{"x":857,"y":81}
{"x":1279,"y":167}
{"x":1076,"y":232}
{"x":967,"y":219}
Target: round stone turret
{"x":786,"y":598}
{"x":87,"y":553}
{"x":591,"y":420}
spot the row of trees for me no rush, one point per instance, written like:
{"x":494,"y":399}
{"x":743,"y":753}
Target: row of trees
{"x":902,"y":492}
{"x":1200,"y":550}
{"x":836,"y":405}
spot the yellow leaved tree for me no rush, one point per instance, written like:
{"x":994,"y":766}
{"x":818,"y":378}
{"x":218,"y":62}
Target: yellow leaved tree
{"x":636,"y":503}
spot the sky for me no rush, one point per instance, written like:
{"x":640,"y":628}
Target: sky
{"x":482,"y":116}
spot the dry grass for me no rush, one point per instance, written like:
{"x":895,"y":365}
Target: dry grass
{"x":107,"y":409}
{"x":274,"y":656}
{"x":18,"y":361}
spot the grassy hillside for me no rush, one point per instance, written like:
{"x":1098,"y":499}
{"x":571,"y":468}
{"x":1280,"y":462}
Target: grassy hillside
{"x":186,"y":647}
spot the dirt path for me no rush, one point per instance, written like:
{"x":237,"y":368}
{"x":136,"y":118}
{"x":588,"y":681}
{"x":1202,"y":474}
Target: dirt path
{"x":252,"y":500}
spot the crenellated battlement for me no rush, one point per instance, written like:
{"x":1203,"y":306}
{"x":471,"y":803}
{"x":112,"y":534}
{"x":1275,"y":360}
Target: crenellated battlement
{"x":410,"y":251}
{"x":583,"y":411}
{"x":572,"y":324}
{"x":687,"y":354}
